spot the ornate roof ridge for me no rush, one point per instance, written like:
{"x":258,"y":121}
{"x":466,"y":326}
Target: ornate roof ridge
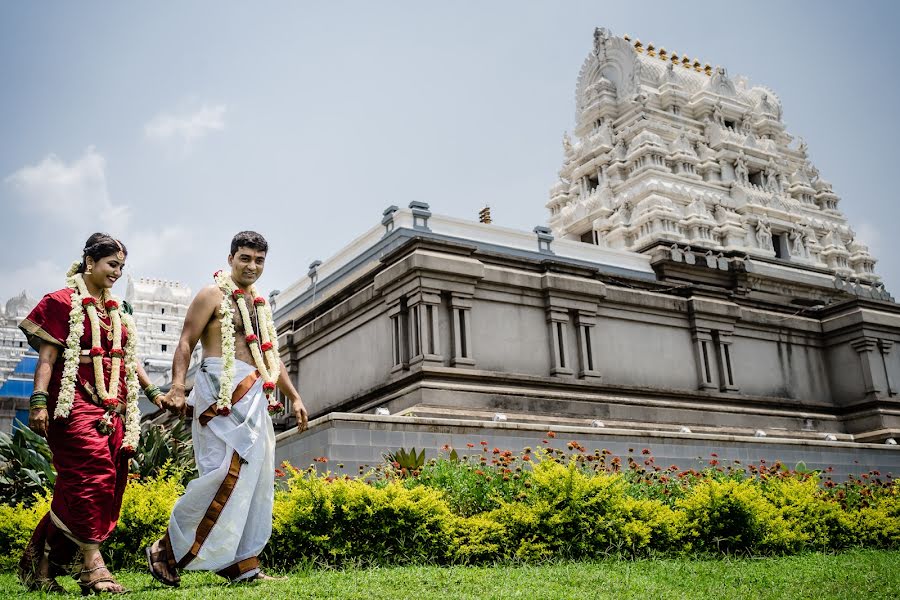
{"x":659,"y":52}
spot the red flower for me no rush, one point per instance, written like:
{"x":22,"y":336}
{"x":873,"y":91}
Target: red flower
{"x":128,"y":450}
{"x":97,"y":351}
{"x":110,"y":403}
{"x":645,"y":451}
{"x":279,"y":472}
{"x":714,"y":455}
{"x":117,"y":352}
{"x":269,"y":386}
{"x":217,"y":273}
{"x":259,"y":301}
{"x":276,"y":408}
{"x":550,"y":434}
{"x":223,"y":411}
{"x":238,"y":293}
{"x":446,"y":447}
{"x":266,"y":346}
{"x":483,"y":443}
{"x":88,"y":301}
{"x":470,"y":445}
{"x":112,"y":305}
{"x":395,"y":464}
{"x":320,"y":459}
{"x":526,"y":458}
{"x":252,"y":339}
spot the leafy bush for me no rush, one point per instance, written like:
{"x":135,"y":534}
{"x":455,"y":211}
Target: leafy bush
{"x":26,"y":467}
{"x":17,"y":523}
{"x":163,"y":447}
{"x":492,"y":505}
{"x":146,"y":506}
{"x":335,"y":520}
{"x":734,"y":516}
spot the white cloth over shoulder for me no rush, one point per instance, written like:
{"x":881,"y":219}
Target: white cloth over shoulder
{"x":244,"y":525}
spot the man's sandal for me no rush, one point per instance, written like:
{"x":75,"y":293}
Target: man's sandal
{"x":159,"y":564}
{"x":47,"y":585}
{"x":97,"y":575}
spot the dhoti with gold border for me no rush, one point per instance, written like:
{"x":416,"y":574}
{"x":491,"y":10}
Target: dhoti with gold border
{"x":224,"y":519}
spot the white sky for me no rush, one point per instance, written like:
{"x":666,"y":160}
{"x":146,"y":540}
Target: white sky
{"x":175,"y":125}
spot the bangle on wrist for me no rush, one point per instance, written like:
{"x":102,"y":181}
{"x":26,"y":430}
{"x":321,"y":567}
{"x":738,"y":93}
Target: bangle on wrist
{"x":38,"y":400}
{"x":152,"y":392}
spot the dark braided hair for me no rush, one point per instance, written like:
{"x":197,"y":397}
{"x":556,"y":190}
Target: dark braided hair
{"x":100,"y":245}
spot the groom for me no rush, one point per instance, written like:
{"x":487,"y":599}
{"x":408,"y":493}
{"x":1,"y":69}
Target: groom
{"x":224,"y":519}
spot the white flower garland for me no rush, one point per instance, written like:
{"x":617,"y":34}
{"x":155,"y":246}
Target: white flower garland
{"x":262,"y":354}
{"x":72,"y":353}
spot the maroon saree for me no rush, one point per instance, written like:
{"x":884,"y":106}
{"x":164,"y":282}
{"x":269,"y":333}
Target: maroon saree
{"x":91,"y":468}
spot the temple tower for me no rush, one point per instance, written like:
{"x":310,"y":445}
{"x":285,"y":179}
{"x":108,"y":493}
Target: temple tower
{"x":674,"y":158}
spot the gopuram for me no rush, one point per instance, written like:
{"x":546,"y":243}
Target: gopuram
{"x":697,"y":290}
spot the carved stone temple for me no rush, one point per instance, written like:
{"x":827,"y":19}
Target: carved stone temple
{"x":697,"y":289}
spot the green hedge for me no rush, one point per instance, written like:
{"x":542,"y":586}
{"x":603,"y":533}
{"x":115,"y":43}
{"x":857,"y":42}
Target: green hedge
{"x":496,"y":506}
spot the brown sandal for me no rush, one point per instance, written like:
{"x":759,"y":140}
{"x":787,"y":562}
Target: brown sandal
{"x":161,"y":563}
{"x":102,"y":576}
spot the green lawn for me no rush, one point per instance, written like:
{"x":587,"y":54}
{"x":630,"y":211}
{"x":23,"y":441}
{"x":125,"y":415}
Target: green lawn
{"x":860,"y":575}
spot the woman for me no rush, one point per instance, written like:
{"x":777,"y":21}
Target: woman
{"x":85,"y":403}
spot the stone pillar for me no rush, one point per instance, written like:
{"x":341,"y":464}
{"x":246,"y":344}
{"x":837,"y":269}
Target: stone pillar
{"x":424,"y":344}
{"x":399,"y":337}
{"x":726,"y":363}
{"x":558,"y":322}
{"x":461,"y":324}
{"x":885,"y":347}
{"x":704,"y":355}
{"x":585,"y":324}
{"x":865,"y":347}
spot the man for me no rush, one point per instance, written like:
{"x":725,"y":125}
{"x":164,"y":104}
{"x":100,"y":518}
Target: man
{"x":224,"y":519}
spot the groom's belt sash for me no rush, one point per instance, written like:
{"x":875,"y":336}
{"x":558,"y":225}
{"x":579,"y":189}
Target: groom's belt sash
{"x":239,"y":392}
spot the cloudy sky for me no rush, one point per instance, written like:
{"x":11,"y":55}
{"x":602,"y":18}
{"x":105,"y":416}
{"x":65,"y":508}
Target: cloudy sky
{"x":174,"y":125}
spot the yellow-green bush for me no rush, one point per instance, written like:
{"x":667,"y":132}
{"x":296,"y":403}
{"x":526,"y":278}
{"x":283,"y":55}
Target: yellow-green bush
{"x":146,"y":507}
{"x":734,"y":516}
{"x":816,"y":520}
{"x":878,"y":525}
{"x":320,"y":518}
{"x":541,"y":507}
{"x":566,"y":512}
{"x":16,"y":526}
{"x":479,"y":538}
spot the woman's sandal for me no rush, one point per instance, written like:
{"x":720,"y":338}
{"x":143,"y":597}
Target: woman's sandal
{"x":103,"y":576}
{"x":159,"y":564}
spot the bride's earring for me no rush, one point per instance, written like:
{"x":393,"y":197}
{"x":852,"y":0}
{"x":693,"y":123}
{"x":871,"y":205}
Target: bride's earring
{"x":89,"y":269}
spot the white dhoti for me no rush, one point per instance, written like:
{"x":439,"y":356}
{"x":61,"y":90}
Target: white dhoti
{"x":224,"y":519}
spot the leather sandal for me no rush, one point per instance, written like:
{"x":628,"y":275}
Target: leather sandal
{"x":97,"y":575}
{"x":161,"y":565}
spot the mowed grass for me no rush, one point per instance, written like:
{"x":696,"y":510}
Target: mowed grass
{"x":860,"y":575}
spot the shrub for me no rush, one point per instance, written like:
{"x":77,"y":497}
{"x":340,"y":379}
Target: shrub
{"x":878,"y":524}
{"x":146,"y":507}
{"x":479,"y":539}
{"x":817,"y":521}
{"x":734,"y":516}
{"x":17,"y":523}
{"x":26,"y":468}
{"x":334,"y":520}
{"x":566,"y":512}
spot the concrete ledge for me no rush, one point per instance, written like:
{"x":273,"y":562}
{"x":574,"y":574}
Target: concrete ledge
{"x":358,"y":440}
